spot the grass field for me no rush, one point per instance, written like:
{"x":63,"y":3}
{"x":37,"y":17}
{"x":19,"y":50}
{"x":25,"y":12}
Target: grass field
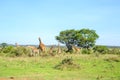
{"x":92,"y":67}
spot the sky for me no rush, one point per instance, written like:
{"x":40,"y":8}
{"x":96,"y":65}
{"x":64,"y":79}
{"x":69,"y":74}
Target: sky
{"x":23,"y":21}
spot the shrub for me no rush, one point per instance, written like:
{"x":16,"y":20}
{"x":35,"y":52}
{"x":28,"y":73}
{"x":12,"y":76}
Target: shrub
{"x":114,"y":51}
{"x":68,"y":64}
{"x":21,"y":51}
{"x":101,"y":49}
{"x":86,"y":51}
{"x":15,"y":51}
{"x":7,"y":49}
{"x":115,"y":59}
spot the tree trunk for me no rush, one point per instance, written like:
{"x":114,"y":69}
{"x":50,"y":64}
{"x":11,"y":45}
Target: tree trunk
{"x":69,"y":47}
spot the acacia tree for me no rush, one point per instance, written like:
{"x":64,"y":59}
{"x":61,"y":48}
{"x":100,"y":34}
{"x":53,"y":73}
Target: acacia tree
{"x":84,"y":38}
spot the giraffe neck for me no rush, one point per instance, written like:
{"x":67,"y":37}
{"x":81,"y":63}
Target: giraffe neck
{"x":40,"y":41}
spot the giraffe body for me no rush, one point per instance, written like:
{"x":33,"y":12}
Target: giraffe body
{"x":35,"y":51}
{"x":42,"y":47}
{"x":51,"y":50}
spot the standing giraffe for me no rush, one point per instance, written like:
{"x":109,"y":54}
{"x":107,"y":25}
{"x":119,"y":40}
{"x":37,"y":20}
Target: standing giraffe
{"x":34,"y":52}
{"x":76,"y":49}
{"x":41,"y":45}
{"x":51,"y":51}
{"x":59,"y":49}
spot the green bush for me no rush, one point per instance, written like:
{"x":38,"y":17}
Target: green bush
{"x":114,"y":51}
{"x":86,"y":51}
{"x":101,"y":49}
{"x":15,"y":51}
{"x":67,"y":64}
{"x":21,"y":51}
{"x":114,"y":59}
{"x":7,"y":49}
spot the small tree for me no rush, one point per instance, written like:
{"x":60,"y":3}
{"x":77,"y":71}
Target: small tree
{"x":3,"y":45}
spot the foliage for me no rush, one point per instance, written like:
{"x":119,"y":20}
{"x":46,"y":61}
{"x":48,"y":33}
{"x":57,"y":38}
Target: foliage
{"x":15,"y":51}
{"x":7,"y":49}
{"x":67,"y":37}
{"x":84,"y":38}
{"x":21,"y":51}
{"x":3,"y":45}
{"x":101,"y":49}
{"x":114,"y":51}
{"x":87,"y":51}
{"x":67,"y":63}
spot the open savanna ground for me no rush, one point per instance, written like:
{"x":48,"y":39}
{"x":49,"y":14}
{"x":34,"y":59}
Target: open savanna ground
{"x":91,"y":67}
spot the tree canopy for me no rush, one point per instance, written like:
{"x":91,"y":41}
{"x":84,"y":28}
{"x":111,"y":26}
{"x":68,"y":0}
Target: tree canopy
{"x":3,"y":45}
{"x":86,"y":38}
{"x":83,"y":38}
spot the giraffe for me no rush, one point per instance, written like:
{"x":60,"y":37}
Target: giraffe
{"x":34,"y":52}
{"x":51,"y":50}
{"x":41,"y":45}
{"x":76,"y":49}
{"x":59,"y":49}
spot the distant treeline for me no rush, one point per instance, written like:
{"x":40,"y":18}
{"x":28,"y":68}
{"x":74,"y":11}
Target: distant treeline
{"x":63,"y":45}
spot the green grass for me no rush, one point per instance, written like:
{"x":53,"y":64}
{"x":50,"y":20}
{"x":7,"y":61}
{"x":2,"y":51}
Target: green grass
{"x":104,"y":67}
